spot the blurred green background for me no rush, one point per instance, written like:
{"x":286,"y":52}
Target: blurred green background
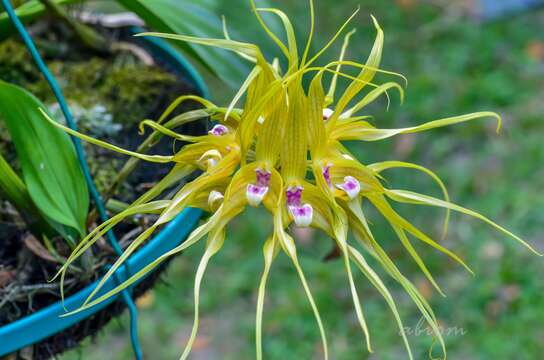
{"x":456,"y":63}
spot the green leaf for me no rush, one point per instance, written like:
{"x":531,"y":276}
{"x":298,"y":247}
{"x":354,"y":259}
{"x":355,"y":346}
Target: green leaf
{"x":49,"y":164}
{"x":29,"y":11}
{"x":195,"y":19}
{"x":14,"y":190}
{"x":12,"y":187}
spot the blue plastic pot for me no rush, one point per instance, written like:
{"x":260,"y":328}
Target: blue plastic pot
{"x":47,"y":321}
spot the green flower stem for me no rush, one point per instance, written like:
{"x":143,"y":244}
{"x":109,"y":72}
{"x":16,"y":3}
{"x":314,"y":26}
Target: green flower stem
{"x":131,"y":163}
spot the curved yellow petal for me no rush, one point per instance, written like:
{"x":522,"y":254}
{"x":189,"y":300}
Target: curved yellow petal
{"x":415,"y":198}
{"x":365,"y":134}
{"x":270,"y":250}
{"x":384,"y":165}
{"x":214,"y":245}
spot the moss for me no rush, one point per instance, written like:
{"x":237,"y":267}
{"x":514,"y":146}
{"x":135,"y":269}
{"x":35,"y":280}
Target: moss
{"x":16,"y":65}
{"x":108,"y":96}
{"x":103,"y":166}
{"x":127,"y":91}
{"x":134,"y":90}
{"x":126,"y":87}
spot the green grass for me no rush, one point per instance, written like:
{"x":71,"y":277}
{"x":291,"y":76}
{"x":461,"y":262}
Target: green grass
{"x":454,"y":65}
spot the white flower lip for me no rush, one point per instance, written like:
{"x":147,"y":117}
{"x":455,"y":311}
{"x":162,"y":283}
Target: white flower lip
{"x":215,"y":198}
{"x":302,"y":215}
{"x":210,"y":163}
{"x":327,"y":113}
{"x":210,"y":158}
{"x":351,"y":186}
{"x":255,"y":194}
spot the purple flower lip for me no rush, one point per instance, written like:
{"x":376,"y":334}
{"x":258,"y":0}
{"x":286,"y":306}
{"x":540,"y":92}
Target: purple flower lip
{"x":351,"y":186}
{"x":219,"y":130}
{"x":302,"y":213}
{"x":255,"y":194}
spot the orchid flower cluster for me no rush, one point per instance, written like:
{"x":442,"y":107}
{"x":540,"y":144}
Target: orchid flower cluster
{"x":284,"y":150}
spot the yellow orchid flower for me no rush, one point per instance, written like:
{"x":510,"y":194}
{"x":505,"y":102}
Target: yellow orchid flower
{"x":283,"y":149}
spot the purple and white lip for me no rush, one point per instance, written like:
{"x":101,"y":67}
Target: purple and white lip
{"x":219,"y":130}
{"x":255,"y":193}
{"x":302,"y":213}
{"x":351,"y":187}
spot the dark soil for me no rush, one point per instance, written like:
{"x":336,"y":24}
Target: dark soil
{"x":24,"y":271}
